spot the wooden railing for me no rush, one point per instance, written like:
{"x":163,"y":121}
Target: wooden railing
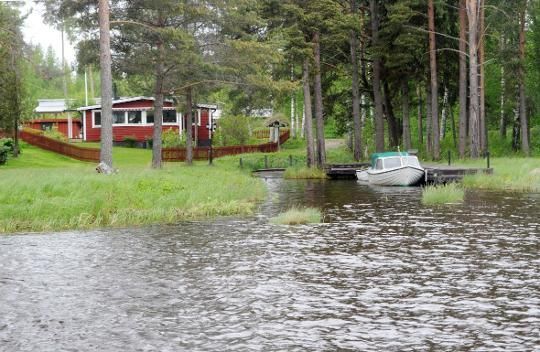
{"x":36,"y":137}
{"x":179,"y":154}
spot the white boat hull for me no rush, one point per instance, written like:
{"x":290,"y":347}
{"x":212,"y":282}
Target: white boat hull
{"x":400,"y":176}
{"x":362,"y":175}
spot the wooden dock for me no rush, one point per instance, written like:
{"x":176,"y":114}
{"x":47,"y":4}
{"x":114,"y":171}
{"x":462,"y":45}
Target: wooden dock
{"x":444,"y":174}
{"x":434,"y":174}
{"x":344,"y":171}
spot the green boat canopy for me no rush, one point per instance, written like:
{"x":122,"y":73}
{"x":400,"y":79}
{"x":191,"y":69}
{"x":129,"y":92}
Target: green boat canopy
{"x":376,"y":156}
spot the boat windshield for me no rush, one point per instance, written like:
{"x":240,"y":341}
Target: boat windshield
{"x":390,"y":163}
{"x":411,"y":161}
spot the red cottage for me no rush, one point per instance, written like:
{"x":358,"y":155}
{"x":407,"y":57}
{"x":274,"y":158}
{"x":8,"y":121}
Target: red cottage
{"x":54,"y":113}
{"x":134,"y":117}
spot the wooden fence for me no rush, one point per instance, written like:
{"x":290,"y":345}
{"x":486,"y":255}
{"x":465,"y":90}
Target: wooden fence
{"x":179,"y":154}
{"x":36,"y":137}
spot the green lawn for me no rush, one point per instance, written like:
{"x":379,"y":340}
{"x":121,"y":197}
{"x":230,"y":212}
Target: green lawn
{"x":44,"y":191}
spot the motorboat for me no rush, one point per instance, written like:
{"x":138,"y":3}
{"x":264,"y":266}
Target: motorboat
{"x":392,"y":169}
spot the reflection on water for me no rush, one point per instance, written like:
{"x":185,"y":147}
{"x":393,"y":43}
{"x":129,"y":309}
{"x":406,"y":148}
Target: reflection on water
{"x":383,"y":273}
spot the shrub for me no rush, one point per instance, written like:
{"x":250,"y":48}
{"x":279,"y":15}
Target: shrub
{"x":130,"y":141}
{"x":232,"y":130}
{"x":6,"y":146}
{"x":55,"y":134}
{"x":171,"y":139}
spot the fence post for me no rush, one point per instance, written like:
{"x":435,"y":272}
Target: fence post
{"x":241,"y":164}
{"x":488,"y":161}
{"x":266,"y":161}
{"x":290,"y":160}
{"x":449,"y":158}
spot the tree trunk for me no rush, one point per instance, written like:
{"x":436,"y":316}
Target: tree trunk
{"x":406,"y":122}
{"x":189,"y":126}
{"x":482,"y":81}
{"x":516,"y":128}
{"x":502,"y":119}
{"x":105,"y":62}
{"x":376,"y":80}
{"x":158,"y":108}
{"x":420,"y":127}
{"x":429,"y":120}
{"x":393,"y":127}
{"x":444,"y":114}
{"x":474,"y":105}
{"x":321,"y":152}
{"x":453,"y":121}
{"x":522,"y":98}
{"x":293,"y":108}
{"x":308,"y":118}
{"x":462,"y":79}
{"x":357,"y":146}
{"x":434,"y":84}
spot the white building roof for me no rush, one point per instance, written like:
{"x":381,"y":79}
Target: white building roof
{"x":51,"y":106}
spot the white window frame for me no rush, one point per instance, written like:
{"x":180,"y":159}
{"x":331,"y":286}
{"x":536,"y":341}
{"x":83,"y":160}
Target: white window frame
{"x":144,"y":122}
{"x":94,"y":119}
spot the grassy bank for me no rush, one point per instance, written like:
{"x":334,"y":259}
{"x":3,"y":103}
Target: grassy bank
{"x":298,"y":216}
{"x":450,"y":193}
{"x":512,"y":174}
{"x":43,"y":191}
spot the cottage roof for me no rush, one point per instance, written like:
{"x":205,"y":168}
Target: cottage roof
{"x":132,"y":99}
{"x":51,"y":106}
{"x":275,"y":121}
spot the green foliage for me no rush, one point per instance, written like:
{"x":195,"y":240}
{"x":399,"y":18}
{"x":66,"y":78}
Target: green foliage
{"x":298,"y":216}
{"x":171,"y":139}
{"x":232,"y":130}
{"x":6,"y":146}
{"x":450,"y":193}
{"x":55,"y":134}
{"x":130,"y":141}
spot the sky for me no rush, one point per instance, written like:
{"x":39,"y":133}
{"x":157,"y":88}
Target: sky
{"x":36,"y":32}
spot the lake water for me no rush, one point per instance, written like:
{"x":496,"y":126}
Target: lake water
{"x":383,"y":273}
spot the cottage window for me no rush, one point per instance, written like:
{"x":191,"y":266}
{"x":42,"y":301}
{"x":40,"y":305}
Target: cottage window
{"x":134,"y":117}
{"x":169,"y":116}
{"x":119,"y":117}
{"x":149,"y":116}
{"x":97,"y":118}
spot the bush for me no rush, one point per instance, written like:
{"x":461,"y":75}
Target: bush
{"x":55,"y":134}
{"x":232,"y":130}
{"x":6,"y":146}
{"x":130,"y":141}
{"x":171,"y":139}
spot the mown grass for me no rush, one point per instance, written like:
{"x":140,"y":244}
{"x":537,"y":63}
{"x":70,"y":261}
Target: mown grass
{"x":43,"y":191}
{"x":304,"y":173}
{"x":450,"y":193}
{"x":298,"y":216}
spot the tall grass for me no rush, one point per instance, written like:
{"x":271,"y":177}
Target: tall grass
{"x":512,"y":174}
{"x":72,"y":196}
{"x":450,"y":193}
{"x":304,"y":173}
{"x":298,"y":216}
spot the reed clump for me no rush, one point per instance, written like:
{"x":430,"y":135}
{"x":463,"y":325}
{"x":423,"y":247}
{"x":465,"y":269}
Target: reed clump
{"x":450,"y":193}
{"x":510,"y":174}
{"x":304,"y":173}
{"x":298,"y":216}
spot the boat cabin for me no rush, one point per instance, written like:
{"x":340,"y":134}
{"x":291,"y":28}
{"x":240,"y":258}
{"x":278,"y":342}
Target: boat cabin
{"x":392,"y":160}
